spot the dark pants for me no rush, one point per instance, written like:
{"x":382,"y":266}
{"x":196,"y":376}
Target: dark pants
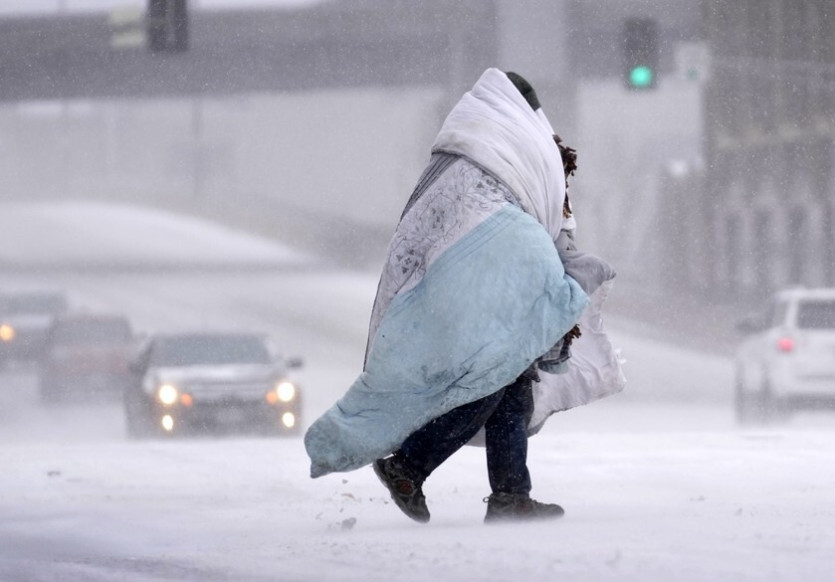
{"x":504,"y":416}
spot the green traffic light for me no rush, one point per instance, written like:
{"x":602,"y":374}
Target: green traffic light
{"x":640,"y":77}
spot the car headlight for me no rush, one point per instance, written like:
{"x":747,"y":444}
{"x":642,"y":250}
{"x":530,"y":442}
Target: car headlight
{"x":288,"y":419}
{"x":167,"y":394}
{"x":7,"y":332}
{"x":285,"y":391}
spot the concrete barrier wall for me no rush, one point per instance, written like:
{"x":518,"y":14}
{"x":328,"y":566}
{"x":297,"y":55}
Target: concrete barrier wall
{"x":354,"y":152}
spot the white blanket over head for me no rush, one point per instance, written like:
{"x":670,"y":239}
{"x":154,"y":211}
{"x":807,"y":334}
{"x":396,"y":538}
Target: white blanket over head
{"x":495,"y":127}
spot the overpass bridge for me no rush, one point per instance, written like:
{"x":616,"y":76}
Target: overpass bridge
{"x":333,"y":44}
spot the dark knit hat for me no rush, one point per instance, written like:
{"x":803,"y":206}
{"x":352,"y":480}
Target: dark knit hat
{"x":525,"y":89}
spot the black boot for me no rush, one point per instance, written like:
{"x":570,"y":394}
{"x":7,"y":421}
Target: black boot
{"x":404,"y":486}
{"x":519,"y":507}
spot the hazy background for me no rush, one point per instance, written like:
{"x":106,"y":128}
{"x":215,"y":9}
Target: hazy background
{"x":251,"y":177}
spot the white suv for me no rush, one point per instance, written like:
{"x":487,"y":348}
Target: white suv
{"x":787,"y":360}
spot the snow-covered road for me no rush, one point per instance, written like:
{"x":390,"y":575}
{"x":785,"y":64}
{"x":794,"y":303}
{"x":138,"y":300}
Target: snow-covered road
{"x":650,"y":504}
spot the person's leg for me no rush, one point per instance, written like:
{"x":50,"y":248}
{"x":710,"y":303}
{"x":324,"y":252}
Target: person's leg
{"x":506,"y":434}
{"x":429,"y":446}
{"x":423,"y":451}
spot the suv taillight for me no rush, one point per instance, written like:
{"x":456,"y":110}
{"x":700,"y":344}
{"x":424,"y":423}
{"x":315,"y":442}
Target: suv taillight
{"x":785,"y":344}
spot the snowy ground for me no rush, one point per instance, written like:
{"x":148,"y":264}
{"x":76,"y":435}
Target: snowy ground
{"x":658,"y":483}
{"x":655,"y":502}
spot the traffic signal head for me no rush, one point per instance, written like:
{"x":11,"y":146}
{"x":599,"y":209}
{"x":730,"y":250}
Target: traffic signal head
{"x":639,"y":52}
{"x":168,"y":25}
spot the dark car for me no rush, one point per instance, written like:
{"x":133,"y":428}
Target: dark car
{"x":211,"y":382}
{"x":24,"y":320}
{"x":85,"y":358}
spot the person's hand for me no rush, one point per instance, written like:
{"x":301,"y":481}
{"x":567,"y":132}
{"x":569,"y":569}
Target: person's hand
{"x":590,"y":271}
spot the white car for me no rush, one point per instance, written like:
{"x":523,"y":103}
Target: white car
{"x":787,"y":360}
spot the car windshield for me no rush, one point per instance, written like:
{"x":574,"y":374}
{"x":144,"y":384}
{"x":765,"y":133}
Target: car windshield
{"x":816,"y":315}
{"x":92,"y":332}
{"x":209,"y":350}
{"x":33,"y":304}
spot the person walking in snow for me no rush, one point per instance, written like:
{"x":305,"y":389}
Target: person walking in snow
{"x":504,"y":417}
{"x":473,"y":293}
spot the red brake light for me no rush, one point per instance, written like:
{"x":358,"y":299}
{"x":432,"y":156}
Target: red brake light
{"x":785,"y":344}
